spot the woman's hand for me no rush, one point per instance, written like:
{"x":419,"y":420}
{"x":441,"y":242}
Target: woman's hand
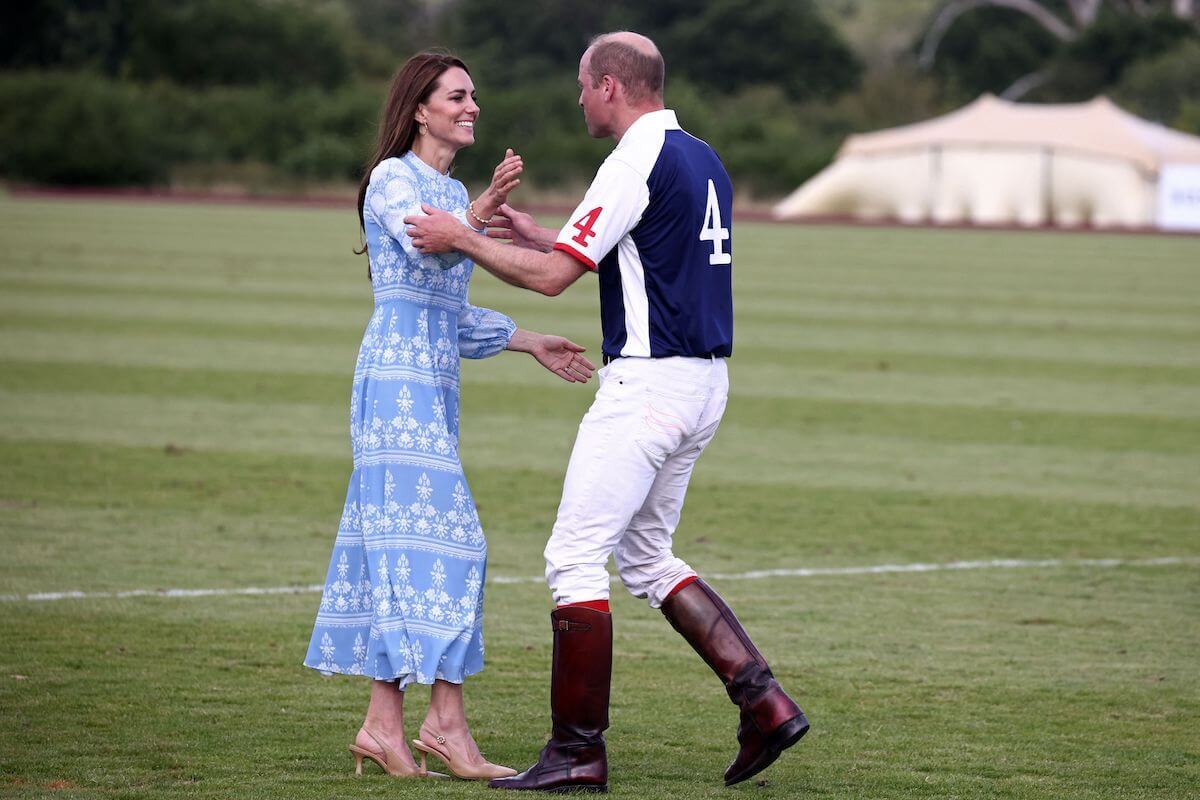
{"x":562,"y":357}
{"x":505,"y":178}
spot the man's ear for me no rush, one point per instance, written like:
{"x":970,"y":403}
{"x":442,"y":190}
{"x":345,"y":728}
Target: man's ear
{"x":610,"y":87}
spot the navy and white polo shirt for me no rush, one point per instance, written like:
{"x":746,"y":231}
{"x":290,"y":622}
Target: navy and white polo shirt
{"x":655,"y":225}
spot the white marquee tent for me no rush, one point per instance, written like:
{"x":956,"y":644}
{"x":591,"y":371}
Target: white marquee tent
{"x":994,"y":162}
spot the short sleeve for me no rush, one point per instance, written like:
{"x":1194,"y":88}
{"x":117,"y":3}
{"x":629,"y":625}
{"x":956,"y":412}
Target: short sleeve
{"x":612,"y":207}
{"x":393,"y":194}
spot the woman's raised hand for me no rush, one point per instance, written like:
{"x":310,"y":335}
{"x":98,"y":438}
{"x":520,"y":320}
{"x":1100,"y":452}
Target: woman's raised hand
{"x":505,"y":178}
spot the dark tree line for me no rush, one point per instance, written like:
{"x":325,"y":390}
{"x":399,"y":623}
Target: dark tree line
{"x":296,"y":84}
{"x":723,"y":44}
{"x":142,"y":91}
{"x":1050,"y":50}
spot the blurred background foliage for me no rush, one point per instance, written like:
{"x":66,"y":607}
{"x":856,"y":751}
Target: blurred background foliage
{"x":283,"y":94}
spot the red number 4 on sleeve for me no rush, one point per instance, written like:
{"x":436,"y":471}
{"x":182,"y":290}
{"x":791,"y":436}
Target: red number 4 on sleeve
{"x":584,"y":226}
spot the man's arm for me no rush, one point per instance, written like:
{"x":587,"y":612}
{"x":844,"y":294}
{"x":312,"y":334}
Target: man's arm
{"x":547,"y":273}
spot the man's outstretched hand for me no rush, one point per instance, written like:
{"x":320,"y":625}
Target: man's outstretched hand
{"x":521,"y":229}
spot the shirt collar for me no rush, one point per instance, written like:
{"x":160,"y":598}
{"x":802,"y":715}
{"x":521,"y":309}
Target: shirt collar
{"x":650,"y":124}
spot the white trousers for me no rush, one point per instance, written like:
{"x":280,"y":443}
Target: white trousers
{"x":628,"y":474}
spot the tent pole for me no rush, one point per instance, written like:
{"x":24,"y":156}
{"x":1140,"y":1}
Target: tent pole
{"x":1048,"y":184}
{"x":935,"y":178}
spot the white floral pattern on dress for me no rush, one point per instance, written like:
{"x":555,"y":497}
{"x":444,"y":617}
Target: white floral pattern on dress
{"x":403,"y":596}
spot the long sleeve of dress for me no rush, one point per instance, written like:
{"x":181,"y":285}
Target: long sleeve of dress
{"x":483,"y":333}
{"x":393,"y":194}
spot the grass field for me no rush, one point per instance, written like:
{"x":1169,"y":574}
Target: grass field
{"x":174,"y":383}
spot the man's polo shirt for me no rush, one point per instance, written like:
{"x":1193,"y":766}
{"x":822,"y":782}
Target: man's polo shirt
{"x":656,"y":226}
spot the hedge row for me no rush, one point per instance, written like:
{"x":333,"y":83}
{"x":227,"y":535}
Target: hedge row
{"x":77,"y":128}
{"x":82,"y":129}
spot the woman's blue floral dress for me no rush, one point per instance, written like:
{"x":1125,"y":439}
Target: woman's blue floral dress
{"x":403,"y":597}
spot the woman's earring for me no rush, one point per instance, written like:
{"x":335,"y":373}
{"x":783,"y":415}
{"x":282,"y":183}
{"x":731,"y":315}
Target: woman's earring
{"x":422,"y":128}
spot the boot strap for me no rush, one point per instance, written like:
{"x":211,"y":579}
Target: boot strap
{"x":568,"y":625}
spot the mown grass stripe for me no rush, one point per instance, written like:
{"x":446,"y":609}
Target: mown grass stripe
{"x":799,"y":456}
{"x":87,"y":308}
{"x":330,"y":354}
{"x":1077,"y":299}
{"x":500,"y":389}
{"x":343,"y":284}
{"x":178,"y":516}
{"x":754,"y":575}
{"x":1003,"y":392}
{"x":1125,"y":349}
{"x":860,"y":362}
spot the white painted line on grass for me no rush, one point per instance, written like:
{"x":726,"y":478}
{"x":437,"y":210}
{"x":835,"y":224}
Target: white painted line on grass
{"x":802,"y":572}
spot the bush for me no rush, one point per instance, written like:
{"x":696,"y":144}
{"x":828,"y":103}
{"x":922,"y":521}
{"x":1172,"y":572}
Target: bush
{"x":78,"y":129}
{"x":223,"y":124}
{"x":767,"y":143}
{"x":1189,"y":116}
{"x":1160,"y":88}
{"x":323,"y":157}
{"x":82,"y":129}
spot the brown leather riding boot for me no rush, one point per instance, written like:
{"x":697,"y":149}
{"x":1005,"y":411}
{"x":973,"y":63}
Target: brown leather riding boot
{"x":581,"y":671}
{"x":771,"y":721}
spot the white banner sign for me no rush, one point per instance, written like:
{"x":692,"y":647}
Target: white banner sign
{"x":1179,"y":197}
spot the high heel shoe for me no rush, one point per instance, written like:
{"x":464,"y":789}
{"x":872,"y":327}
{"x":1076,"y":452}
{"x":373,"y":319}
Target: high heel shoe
{"x":389,"y":760}
{"x":459,"y":767}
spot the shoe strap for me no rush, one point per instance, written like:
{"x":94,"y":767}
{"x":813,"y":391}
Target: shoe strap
{"x":383,"y":748}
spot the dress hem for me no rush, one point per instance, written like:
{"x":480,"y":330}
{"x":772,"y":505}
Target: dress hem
{"x":404,"y":679}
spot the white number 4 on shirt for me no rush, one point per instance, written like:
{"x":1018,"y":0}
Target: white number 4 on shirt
{"x":712,"y":230}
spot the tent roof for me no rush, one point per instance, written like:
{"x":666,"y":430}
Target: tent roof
{"x":1098,"y":127}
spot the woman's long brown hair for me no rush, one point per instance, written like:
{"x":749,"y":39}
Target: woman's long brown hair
{"x":413,"y":85}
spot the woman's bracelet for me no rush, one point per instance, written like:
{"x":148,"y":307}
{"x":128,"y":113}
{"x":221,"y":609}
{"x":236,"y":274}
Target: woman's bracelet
{"x":483,"y":223}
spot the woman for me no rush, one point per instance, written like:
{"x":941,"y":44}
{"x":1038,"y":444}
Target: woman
{"x":403,"y":599}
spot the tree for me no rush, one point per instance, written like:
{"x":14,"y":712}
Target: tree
{"x":189,"y":42}
{"x":234,"y":42}
{"x":531,"y":42}
{"x":65,"y":34}
{"x":726,"y":45}
{"x":1082,"y":45}
{"x":1161,"y":88}
{"x":721,"y":45}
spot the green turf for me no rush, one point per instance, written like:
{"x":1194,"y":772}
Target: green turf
{"x":174,"y":383}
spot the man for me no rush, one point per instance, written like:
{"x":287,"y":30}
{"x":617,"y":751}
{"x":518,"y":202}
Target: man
{"x":654,"y":225}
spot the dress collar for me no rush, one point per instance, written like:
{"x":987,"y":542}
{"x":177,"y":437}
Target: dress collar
{"x":424,"y":169}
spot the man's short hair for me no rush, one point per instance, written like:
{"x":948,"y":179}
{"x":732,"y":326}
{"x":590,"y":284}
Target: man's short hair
{"x":640,"y":73}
